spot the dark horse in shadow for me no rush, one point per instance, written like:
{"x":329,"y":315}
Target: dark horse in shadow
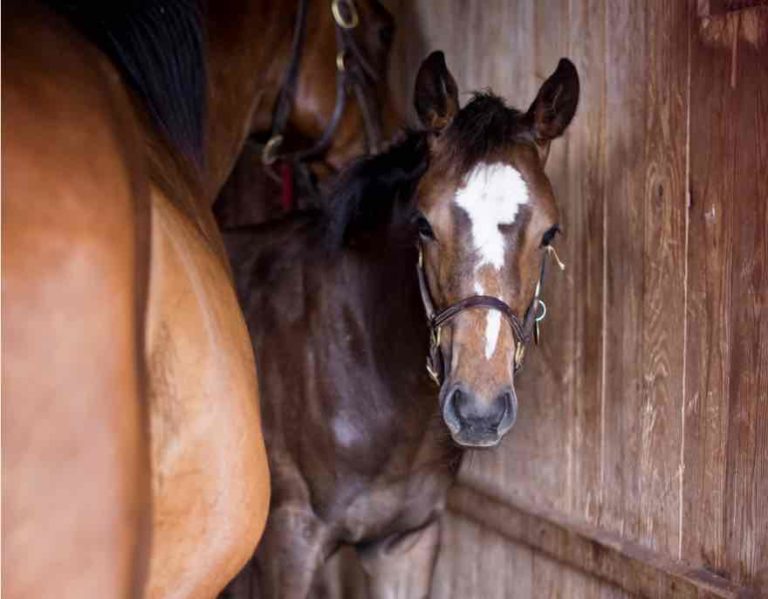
{"x":453,"y":222}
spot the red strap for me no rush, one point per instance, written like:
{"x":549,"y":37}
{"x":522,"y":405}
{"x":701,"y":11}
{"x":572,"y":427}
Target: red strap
{"x":286,"y":173}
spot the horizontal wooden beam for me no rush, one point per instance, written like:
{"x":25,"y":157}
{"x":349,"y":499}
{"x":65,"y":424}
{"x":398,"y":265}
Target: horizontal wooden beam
{"x":637,"y":570}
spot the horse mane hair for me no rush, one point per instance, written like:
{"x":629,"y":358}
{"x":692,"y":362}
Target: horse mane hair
{"x":158,"y":47}
{"x":368,"y":192}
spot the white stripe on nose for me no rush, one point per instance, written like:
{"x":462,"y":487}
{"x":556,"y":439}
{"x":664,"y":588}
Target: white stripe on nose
{"x":491,"y":196}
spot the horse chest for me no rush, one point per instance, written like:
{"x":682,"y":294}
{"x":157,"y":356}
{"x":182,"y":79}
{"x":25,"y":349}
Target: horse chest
{"x":394,"y":504}
{"x":208,"y":464}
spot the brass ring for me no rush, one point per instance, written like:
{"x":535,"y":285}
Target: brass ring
{"x":339,"y":18}
{"x":269,"y":153}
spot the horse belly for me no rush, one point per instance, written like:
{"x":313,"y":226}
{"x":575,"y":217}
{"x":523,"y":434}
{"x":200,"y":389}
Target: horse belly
{"x":209,"y":475}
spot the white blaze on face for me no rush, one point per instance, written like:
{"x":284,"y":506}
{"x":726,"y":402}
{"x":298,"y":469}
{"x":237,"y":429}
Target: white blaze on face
{"x":491,"y":196}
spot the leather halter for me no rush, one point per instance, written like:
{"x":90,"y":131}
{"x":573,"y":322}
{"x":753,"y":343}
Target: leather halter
{"x":352,"y":71}
{"x":522,"y":331}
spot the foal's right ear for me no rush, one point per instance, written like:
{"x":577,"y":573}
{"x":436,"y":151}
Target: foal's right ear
{"x":436,"y":96}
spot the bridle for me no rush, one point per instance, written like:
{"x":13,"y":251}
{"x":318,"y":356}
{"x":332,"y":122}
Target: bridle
{"x":353,"y":72}
{"x":522,"y":331}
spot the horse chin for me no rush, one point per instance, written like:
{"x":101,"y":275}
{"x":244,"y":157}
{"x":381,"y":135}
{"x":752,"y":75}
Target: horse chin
{"x":474,"y":440}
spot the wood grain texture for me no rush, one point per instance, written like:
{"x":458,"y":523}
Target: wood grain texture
{"x":502,"y":569}
{"x":604,"y":556}
{"x":586,"y":213}
{"x":725,"y":516}
{"x":663,"y":284}
{"x":625,"y":114}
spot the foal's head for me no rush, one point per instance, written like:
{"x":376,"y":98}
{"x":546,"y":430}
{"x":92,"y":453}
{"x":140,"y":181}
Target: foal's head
{"x":486,"y":214}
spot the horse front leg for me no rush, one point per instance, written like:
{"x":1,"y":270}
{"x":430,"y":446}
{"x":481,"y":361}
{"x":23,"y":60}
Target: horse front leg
{"x":291,"y":552}
{"x":401,"y":566}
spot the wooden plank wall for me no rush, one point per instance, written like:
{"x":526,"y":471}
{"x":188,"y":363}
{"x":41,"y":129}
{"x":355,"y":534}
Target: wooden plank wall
{"x":645,"y":411}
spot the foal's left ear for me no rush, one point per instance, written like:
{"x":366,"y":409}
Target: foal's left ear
{"x":555,"y":104}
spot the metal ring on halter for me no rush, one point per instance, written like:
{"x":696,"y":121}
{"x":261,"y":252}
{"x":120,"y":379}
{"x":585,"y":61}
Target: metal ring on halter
{"x":543,"y":314}
{"x":269,"y":153}
{"x":341,"y":64}
{"x":339,"y":18}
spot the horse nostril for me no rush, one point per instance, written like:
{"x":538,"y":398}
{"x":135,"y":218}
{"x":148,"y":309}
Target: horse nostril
{"x":461,"y":404}
{"x":506,"y":408}
{"x":451,"y":415}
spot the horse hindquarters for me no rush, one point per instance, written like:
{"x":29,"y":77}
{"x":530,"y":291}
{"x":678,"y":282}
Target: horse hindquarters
{"x":76,"y":505}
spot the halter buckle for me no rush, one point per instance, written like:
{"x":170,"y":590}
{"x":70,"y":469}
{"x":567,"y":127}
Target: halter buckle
{"x":340,"y":19}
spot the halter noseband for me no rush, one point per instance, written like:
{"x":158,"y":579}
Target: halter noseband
{"x":522,"y":331}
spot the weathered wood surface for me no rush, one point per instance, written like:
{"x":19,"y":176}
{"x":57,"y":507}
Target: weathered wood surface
{"x":725,"y":478}
{"x":581,"y":548}
{"x":505,"y":568}
{"x":644,"y":414}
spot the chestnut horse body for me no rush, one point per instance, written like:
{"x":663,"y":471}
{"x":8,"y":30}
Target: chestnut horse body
{"x":133,"y":458}
{"x":362,"y":449}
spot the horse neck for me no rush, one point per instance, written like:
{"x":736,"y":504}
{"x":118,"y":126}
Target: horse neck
{"x":248,"y":51}
{"x":392,"y":314}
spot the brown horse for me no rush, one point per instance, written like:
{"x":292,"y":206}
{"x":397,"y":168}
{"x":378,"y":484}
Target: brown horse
{"x":133,"y":460}
{"x":360,"y":451}
{"x":343,"y":49}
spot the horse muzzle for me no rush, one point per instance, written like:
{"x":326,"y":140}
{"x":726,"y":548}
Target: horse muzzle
{"x":473,"y":422}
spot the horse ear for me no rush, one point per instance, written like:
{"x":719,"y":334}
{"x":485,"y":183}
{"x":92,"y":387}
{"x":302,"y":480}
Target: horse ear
{"x":555,"y":104}
{"x":436,"y":96}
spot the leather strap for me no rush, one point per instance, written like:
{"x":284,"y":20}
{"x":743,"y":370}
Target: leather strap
{"x":352,"y":71}
{"x":522,"y":332}
{"x":287,"y":93}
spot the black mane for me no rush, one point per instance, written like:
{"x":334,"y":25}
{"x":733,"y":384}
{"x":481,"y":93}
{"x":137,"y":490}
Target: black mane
{"x":368,"y":191}
{"x":158,"y":46}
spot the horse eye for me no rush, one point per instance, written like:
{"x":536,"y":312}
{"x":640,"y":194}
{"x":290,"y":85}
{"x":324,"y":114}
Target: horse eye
{"x":425,"y":229}
{"x":549,"y":236}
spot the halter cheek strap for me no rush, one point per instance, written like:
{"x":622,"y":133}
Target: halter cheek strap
{"x":353,"y":70}
{"x":522,"y":332}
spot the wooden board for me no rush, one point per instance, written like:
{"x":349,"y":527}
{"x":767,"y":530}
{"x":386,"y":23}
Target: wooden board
{"x":579,"y":549}
{"x":725,"y":512}
{"x":508,"y":570}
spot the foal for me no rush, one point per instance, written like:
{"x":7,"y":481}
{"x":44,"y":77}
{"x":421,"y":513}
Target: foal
{"x":362,"y":448}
